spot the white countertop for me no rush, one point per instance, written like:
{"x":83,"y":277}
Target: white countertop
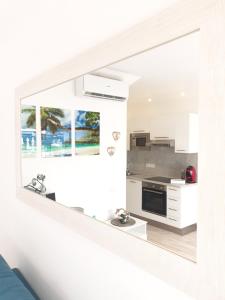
{"x":142,"y":177}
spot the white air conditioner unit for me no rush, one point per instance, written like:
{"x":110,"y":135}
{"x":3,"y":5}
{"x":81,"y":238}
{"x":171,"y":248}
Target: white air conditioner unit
{"x":101,"y":87}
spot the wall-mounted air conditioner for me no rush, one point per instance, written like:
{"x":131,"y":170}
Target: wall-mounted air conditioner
{"x":101,"y":87}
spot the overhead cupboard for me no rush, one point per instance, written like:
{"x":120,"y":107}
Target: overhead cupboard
{"x":162,"y":128}
{"x":186,"y":134}
{"x":182,"y":128}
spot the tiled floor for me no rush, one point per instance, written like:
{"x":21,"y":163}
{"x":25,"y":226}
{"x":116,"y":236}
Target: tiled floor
{"x":182,"y":245}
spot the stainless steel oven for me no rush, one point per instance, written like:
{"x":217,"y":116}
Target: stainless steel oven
{"x":140,"y":140}
{"x":154,"y":198}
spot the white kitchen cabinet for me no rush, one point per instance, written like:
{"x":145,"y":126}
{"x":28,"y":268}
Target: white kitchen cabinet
{"x":134,"y":195}
{"x":138,"y":124}
{"x":182,"y":205}
{"x":182,"y":128}
{"x":186,"y":133}
{"x":162,"y":128}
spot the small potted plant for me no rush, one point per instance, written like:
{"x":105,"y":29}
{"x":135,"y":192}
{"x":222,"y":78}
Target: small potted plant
{"x":122,"y":215}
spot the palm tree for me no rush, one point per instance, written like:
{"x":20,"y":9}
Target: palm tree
{"x":92,"y":119}
{"x":31,"y":120}
{"x":49,"y":118}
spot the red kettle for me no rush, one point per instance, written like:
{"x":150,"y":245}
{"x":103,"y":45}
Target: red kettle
{"x":190,"y":174}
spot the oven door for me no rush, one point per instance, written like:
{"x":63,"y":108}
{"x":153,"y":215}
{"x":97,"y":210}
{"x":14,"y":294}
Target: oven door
{"x":154,"y":201}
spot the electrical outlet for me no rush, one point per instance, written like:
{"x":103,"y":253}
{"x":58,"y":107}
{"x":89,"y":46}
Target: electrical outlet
{"x":149,"y":165}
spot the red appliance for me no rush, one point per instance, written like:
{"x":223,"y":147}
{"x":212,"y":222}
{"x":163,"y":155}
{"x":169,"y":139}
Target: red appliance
{"x":190,"y":175}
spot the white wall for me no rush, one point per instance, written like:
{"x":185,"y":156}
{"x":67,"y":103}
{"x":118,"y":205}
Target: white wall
{"x":96,"y":183}
{"x":59,"y":263}
{"x":139,"y":114}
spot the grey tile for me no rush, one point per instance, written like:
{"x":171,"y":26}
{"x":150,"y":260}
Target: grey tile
{"x":167,"y":162}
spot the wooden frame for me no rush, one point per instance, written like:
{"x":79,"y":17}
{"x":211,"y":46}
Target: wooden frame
{"x":204,"y":280}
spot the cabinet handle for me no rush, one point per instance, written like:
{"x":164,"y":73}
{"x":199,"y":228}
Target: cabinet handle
{"x":161,"y":137}
{"x":152,"y":191}
{"x":181,"y":150}
{"x":172,"y":219}
{"x":172,"y":209}
{"x":171,"y":189}
{"x":132,"y":181}
{"x":172,"y":199}
{"x":138,"y":131}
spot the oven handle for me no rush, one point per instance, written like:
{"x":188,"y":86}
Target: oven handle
{"x":152,"y":191}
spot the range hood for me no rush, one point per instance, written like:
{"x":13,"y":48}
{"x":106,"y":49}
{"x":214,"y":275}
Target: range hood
{"x":163,"y":142}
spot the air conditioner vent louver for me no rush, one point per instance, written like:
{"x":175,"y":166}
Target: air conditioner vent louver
{"x":97,"y":95}
{"x":101,"y":87}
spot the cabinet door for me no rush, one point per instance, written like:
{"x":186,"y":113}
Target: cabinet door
{"x":134,"y":196}
{"x":186,"y":135}
{"x":188,"y":208}
{"x":138,"y":124}
{"x":162,"y":128}
{"x":182,"y":205}
{"x":182,"y":134}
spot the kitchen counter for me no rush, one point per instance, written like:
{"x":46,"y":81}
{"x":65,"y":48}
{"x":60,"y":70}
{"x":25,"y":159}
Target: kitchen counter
{"x":181,"y":202}
{"x":142,"y":177}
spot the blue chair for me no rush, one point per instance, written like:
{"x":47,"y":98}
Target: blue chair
{"x":13,"y":285}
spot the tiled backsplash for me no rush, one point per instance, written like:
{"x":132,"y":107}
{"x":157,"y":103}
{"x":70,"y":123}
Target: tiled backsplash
{"x":166,"y":161}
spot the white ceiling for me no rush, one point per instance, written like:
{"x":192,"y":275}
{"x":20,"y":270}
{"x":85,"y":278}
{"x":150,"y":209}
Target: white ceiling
{"x":169,"y":73}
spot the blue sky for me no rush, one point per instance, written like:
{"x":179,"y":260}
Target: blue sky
{"x":80,"y":118}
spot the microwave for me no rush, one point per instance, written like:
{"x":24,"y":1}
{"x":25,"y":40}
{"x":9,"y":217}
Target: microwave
{"x":140,"y":141}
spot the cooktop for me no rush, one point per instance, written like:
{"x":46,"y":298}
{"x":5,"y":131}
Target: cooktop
{"x":160,"y":179}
